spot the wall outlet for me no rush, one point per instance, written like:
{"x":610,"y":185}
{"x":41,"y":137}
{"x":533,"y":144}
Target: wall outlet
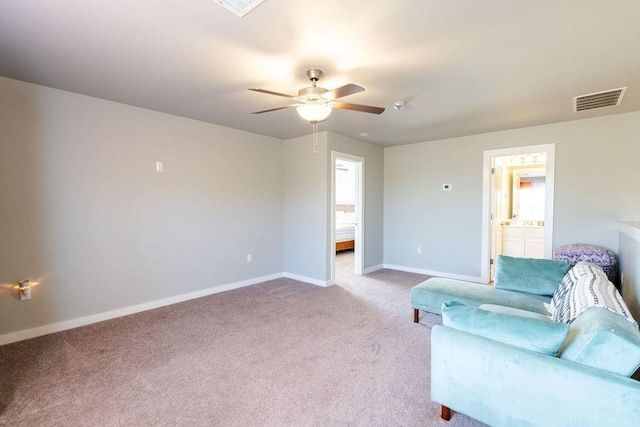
{"x":24,"y":289}
{"x":159,"y":167}
{"x":447,"y":187}
{"x":419,"y":250}
{"x":249,"y":258}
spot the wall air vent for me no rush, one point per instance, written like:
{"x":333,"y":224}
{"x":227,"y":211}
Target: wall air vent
{"x":608,"y":98}
{"x":239,"y":7}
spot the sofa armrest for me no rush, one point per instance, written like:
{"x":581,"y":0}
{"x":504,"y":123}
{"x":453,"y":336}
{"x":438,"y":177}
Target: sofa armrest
{"x":503,"y":385}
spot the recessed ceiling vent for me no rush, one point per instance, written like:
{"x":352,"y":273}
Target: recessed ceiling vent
{"x":608,"y":98}
{"x":239,"y":7}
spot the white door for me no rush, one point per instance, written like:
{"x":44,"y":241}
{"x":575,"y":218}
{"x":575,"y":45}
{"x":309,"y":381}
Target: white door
{"x":497,"y":208}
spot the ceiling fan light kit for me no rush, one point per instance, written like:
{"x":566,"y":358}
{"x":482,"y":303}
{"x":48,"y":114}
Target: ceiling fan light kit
{"x":314,"y":112}
{"x":315,"y":103}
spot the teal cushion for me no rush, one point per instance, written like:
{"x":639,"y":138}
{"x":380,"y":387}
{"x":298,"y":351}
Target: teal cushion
{"x":543,"y":336}
{"x":432,"y":293}
{"x":605,"y":340}
{"x":494,"y":308}
{"x":530,"y":275}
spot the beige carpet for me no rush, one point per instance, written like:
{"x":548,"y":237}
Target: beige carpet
{"x":274,"y":354}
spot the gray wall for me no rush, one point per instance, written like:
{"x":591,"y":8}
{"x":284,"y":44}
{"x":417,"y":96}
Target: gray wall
{"x":83,"y":211}
{"x":305,"y":208}
{"x":307,"y":204}
{"x":596,"y":180}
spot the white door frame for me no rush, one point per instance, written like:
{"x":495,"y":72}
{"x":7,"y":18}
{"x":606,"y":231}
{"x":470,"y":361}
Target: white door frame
{"x":359,"y":211}
{"x":550,"y":150}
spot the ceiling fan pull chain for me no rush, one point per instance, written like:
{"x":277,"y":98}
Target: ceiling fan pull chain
{"x":315,"y":136}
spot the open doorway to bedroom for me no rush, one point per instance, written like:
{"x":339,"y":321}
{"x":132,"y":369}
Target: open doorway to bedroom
{"x":347,"y":218}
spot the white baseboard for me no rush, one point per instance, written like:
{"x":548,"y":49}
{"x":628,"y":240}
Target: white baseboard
{"x":94,"y":318}
{"x":372,"y":269}
{"x":434,"y":273}
{"x":323,"y":283}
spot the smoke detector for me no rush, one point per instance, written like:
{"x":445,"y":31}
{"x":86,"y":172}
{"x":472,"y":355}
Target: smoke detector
{"x":239,"y":7}
{"x":399,"y":105}
{"x":607,"y":98}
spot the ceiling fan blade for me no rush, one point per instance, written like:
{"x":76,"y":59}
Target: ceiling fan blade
{"x":270,"y":92}
{"x":339,"y":92}
{"x":275,"y":109}
{"x":357,"y":107}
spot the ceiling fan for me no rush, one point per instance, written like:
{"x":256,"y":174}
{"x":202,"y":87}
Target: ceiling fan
{"x":314,"y":104}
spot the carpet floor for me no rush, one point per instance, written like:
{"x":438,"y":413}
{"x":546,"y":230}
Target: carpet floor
{"x":279,"y":353}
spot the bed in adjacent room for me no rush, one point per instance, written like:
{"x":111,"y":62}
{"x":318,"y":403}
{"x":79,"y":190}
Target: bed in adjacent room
{"x":345,"y":230}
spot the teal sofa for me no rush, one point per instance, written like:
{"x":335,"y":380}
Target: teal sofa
{"x":431,"y":294}
{"x":501,"y":359}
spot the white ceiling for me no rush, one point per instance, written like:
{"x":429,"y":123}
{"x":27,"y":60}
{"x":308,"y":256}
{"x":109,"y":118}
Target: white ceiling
{"x":463,"y":66}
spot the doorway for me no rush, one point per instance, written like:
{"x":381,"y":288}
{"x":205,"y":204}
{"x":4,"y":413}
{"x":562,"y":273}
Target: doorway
{"x":347,"y":219}
{"x":518,"y":188}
